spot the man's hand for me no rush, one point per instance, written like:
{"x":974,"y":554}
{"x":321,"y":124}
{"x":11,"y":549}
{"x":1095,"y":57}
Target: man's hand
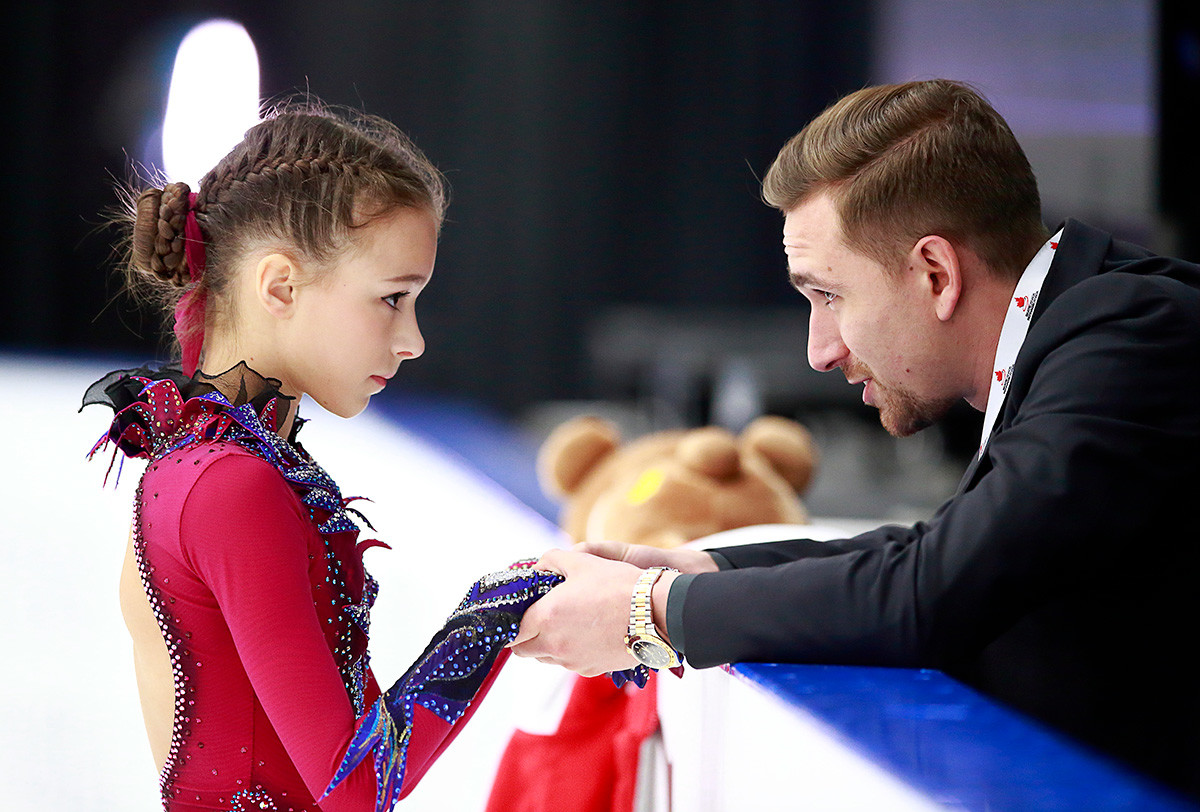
{"x":643,"y":557}
{"x":581,"y":623}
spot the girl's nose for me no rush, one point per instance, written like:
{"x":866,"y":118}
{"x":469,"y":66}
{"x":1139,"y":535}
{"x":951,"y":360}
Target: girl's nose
{"x":409,"y":342}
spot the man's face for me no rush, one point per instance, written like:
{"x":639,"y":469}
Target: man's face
{"x":877,"y":326}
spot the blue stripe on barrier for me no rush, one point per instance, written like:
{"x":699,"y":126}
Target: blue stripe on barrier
{"x":959,"y":748}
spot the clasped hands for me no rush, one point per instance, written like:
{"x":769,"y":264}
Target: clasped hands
{"x":581,"y":623}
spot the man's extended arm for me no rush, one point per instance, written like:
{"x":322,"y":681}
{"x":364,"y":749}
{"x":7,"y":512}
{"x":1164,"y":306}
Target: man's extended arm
{"x":1093,"y":454}
{"x":1098,"y":446}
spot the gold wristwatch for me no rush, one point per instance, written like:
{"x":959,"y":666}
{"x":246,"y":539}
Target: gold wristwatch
{"x":643,"y":640}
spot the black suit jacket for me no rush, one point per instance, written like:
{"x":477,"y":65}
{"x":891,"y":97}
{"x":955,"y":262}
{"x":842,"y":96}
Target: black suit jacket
{"x":1061,"y":577}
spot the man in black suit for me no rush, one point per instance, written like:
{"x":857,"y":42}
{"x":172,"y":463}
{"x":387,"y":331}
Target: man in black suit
{"x":1059,"y":576}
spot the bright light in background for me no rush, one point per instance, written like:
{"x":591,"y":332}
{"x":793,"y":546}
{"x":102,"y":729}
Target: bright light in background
{"x":213,"y":99}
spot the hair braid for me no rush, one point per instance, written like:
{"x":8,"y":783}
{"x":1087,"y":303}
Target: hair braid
{"x":157,"y":240}
{"x":217,"y":189}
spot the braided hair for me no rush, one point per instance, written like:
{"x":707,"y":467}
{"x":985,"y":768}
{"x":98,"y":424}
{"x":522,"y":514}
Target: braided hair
{"x":302,"y":179}
{"x":158,"y":246}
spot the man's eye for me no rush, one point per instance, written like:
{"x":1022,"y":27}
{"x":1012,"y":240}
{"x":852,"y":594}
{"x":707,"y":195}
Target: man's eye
{"x":829,"y":297}
{"x":394,"y":299}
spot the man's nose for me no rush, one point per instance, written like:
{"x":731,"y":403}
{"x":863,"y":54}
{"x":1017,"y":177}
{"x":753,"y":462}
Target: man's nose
{"x":826,"y":351}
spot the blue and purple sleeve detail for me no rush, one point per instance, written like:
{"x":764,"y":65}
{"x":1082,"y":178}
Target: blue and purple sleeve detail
{"x":412,"y":722}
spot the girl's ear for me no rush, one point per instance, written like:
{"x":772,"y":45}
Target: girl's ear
{"x":275,"y":284}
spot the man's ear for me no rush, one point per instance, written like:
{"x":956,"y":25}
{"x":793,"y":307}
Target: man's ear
{"x":275,"y":278}
{"x":941,"y":277}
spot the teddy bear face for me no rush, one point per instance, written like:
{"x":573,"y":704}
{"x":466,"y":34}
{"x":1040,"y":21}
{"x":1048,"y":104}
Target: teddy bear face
{"x":668,"y":504}
{"x":671,"y":487}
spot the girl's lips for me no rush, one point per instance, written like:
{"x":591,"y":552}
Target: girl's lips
{"x":381,"y":381}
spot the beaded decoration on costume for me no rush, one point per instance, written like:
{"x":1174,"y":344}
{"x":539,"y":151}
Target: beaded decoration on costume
{"x":158,"y":412}
{"x":446,"y":678}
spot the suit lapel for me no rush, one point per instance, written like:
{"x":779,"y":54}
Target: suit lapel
{"x":1080,"y":256}
{"x":968,"y":479}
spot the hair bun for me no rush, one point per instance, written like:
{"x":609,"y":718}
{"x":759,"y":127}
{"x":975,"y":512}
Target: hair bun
{"x":158,"y":233}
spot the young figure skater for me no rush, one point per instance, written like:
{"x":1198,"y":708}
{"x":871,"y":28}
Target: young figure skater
{"x":293,"y":269}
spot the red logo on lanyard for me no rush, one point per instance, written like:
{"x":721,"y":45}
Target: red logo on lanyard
{"x":1053,"y":246}
{"x":1004,"y":378}
{"x":1021,"y":300}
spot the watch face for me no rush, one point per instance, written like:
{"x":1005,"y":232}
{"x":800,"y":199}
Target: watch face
{"x":650,"y":654}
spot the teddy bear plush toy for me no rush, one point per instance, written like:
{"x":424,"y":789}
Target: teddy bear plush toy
{"x":671,"y":487}
{"x":664,"y":489}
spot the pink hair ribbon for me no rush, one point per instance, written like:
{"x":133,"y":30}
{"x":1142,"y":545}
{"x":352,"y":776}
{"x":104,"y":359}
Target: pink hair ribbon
{"x":189,"y":312}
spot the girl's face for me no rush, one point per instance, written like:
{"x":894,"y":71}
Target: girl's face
{"x":352,"y":327}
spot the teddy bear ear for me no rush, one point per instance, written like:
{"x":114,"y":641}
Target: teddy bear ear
{"x":572,"y":451}
{"x":787,"y":446}
{"x":710,"y":450}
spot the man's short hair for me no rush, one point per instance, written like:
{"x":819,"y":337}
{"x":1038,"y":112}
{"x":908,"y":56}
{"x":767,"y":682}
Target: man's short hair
{"x":908,"y":160}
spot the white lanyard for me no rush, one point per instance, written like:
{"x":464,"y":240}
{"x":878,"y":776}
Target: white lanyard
{"x":1012,"y":334}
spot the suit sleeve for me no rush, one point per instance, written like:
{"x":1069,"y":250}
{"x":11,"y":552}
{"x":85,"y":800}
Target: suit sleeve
{"x":769,"y":554}
{"x":245,"y":535}
{"x":1105,"y":436}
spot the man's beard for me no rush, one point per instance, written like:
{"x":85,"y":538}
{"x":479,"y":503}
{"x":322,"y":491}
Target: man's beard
{"x":902,"y":412}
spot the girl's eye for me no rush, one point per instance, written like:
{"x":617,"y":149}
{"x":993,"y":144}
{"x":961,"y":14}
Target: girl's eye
{"x":394,"y":300}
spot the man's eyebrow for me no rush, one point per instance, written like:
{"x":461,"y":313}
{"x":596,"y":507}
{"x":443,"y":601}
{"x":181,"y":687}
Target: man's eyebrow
{"x":800,"y":278}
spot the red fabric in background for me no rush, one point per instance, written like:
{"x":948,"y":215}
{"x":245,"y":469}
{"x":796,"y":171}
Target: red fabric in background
{"x":590,"y":763}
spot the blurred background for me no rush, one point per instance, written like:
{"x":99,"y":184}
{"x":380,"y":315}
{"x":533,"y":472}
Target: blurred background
{"x":606,"y":249}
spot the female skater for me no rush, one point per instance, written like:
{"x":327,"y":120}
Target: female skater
{"x":293,"y":269}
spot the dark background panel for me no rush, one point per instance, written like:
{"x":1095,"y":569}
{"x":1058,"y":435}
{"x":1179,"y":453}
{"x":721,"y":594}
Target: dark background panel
{"x":605,"y":236}
{"x":599,"y":154}
{"x":1178,"y":166}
